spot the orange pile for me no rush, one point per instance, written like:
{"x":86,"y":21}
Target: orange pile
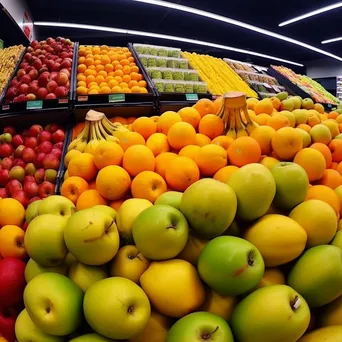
{"x":108,"y":70}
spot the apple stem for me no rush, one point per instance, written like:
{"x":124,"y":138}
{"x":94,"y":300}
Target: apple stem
{"x":206,"y":336}
{"x":173,"y":226}
{"x":295,"y":303}
{"x":250,"y":256}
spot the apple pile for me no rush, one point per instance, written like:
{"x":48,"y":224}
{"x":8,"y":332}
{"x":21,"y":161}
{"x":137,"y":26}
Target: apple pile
{"x":44,"y":72}
{"x":29,"y":162}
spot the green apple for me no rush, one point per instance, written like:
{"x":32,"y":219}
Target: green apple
{"x":127,"y":214}
{"x":255,"y":189}
{"x":32,"y":211}
{"x":91,"y":338}
{"x":320,"y":134}
{"x":84,"y":275}
{"x":106,"y":209}
{"x":282,"y":96}
{"x":209,"y":206}
{"x":44,"y":241}
{"x":297,"y":101}
{"x":301,"y":116}
{"x":26,"y":330}
{"x":33,"y":269}
{"x":92,"y":237}
{"x":287,"y":105}
{"x":272,"y":313}
{"x":231,"y":265}
{"x":292,"y":184}
{"x":317,"y":275}
{"x":172,"y":198}
{"x":116,"y":308}
{"x":339,"y":137}
{"x":307,"y":104}
{"x":129,"y":263}
{"x":200,"y":326}
{"x":289,"y":116}
{"x":327,"y":334}
{"x":306,"y":137}
{"x":160,"y":232}
{"x":337,"y":241}
{"x":57,"y":205}
{"x":54,"y":303}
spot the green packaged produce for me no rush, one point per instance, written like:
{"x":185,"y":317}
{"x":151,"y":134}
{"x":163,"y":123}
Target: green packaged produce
{"x":153,"y":51}
{"x":171,"y":63}
{"x":156,"y":74}
{"x":159,"y":86}
{"x":161,"y":63}
{"x":139,"y":50}
{"x":169,"y":88}
{"x":182,"y":64}
{"x":194,"y":77}
{"x":145,"y":50}
{"x":144,"y":61}
{"x":189,"y":88}
{"x":178,"y":76}
{"x":173,"y":53}
{"x":151,"y":62}
{"x":179,"y":88}
{"x":162,"y":52}
{"x":167,"y":75}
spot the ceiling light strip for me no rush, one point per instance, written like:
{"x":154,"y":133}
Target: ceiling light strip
{"x":333,"y":40}
{"x":311,"y":14}
{"x":162,"y":36}
{"x":237,"y":23}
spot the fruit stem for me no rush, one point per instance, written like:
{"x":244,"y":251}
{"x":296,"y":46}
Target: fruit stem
{"x":206,"y":336}
{"x":295,"y":303}
{"x":250,"y":256}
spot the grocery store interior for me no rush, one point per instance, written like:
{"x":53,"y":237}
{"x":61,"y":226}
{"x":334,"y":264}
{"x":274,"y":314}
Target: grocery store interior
{"x":170,"y":171}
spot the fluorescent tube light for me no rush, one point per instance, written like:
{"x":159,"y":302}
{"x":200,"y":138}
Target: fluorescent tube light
{"x":311,"y":14}
{"x":333,"y":40}
{"x":237,"y":23}
{"x":162,"y":36}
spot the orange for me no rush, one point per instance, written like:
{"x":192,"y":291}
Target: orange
{"x":90,"y":79}
{"x":116,"y":89}
{"x":136,"y":89}
{"x":124,"y":85}
{"x":143,"y":91}
{"x":126,"y":90}
{"x":81,"y":84}
{"x":119,"y":119}
{"x":116,"y":204}
{"x":333,"y":115}
{"x":264,"y":106}
{"x":99,"y":79}
{"x":81,"y":60}
{"x":324,"y":149}
{"x":113,"y":83}
{"x":126,"y":70}
{"x":243,"y":151}
{"x":128,"y":139}
{"x":81,"y":68}
{"x":99,"y":67}
{"x":93,"y":91}
{"x":82,"y":91}
{"x":335,"y":147}
{"x":142,"y":84}
{"x":211,"y":125}
{"x":144,"y":126}
{"x":148,"y":185}
{"x":202,"y":139}
{"x":12,"y":212}
{"x":109,"y":67}
{"x":135,"y":69}
{"x":108,"y":153}
{"x":287,"y":142}
{"x":133,"y":83}
{"x":334,"y":166}
{"x":325,"y":194}
{"x":81,"y":77}
{"x":89,"y":61}
{"x":223,"y":175}
{"x":218,"y":104}
{"x":126,"y":79}
{"x":138,"y":158}
{"x":92,"y":185}
{"x":305,"y":127}
{"x":158,"y":143}
{"x":181,"y":173}
{"x":88,"y":199}
{"x":119,"y":73}
{"x":83,"y":166}
{"x":190,"y":151}
{"x":313,"y":120}
{"x":331,"y":178}
{"x":166,"y":120}
{"x":135,"y":76}
{"x":275,"y":103}
{"x":210,"y":159}
{"x":262,"y":119}
{"x":71,"y":154}
{"x":190,"y":115}
{"x":204,"y":107}
{"x":223,"y":141}
{"x":73,"y":187}
{"x":278,"y":121}
{"x":180,"y":135}
{"x":263,"y":135}
{"x":163,"y":161}
{"x":105,"y":90}
{"x":251,"y":103}
{"x":112,"y":182}
{"x":312,"y":161}
{"x":12,"y":242}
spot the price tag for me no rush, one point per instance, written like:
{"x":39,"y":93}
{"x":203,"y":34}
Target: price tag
{"x":34,"y":105}
{"x":191,"y":97}
{"x":63,"y":101}
{"x":6,"y":107}
{"x":116,"y":98}
{"x":82,"y":98}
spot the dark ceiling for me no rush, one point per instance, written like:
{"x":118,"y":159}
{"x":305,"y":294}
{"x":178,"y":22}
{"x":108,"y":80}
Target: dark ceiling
{"x":139,"y":16}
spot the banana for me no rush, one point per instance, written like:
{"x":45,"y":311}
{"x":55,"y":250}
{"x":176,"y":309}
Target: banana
{"x":240,"y":128}
{"x":251,"y":125}
{"x":232,"y":132}
{"x":81,"y":140}
{"x":106,"y":135}
{"x":94,"y":142}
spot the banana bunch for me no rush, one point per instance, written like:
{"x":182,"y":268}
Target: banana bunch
{"x":235,"y":115}
{"x":97,"y":127}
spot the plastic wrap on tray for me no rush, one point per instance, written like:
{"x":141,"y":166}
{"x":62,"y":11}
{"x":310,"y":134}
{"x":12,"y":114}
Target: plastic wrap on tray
{"x":172,"y":86}
{"x":149,"y":61}
{"x":156,"y":50}
{"x":173,"y":74}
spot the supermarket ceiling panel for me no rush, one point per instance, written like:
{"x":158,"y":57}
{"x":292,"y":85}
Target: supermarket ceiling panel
{"x":148,"y":16}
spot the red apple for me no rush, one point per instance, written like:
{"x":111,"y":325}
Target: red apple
{"x":33,"y":88}
{"x":3,"y":193}
{"x":27,"y":70}
{"x":33,"y":74}
{"x":34,"y":43}
{"x":59,"y":145}
{"x":7,"y":163}
{"x":51,"y":96}
{"x":42,"y":70}
{"x":44,"y":136}
{"x":21,"y":197}
{"x":18,"y":173}
{"x":54,"y":75}
{"x":33,"y":199}
{"x":58,"y":48}
{"x":7,"y":324}
{"x":31,"y":97}
{"x":17,"y":140}
{"x":13,"y":186}
{"x":56,"y":66}
{"x":50,"y":176}
{"x":29,"y":179}
{"x":35,"y":130}
{"x":18,"y":162}
{"x":12,"y":282}
{"x":21,"y":73}
{"x":6,"y":150}
{"x":46,"y":189}
{"x":31,"y":141}
{"x":14,"y":82}
{"x":23,"y":65}
{"x":39,"y":175}
{"x":9,"y":129}
{"x":52,"y":128}
{"x":50,"y":41}
{"x":37,"y":64}
{"x":39,"y":160}
{"x":28,"y":155}
{"x":51,"y":86}
{"x":45,"y":147}
{"x":31,"y":189}
{"x":23,"y":88}
{"x":66,"y":64}
{"x":67,"y":72}
{"x":61,"y":92}
{"x":57,"y":152}
{"x":28,"y":56}
{"x":11,"y":93}
{"x":49,"y":64}
{"x":41,"y":93}
{"x":18,"y":151}
{"x":25,"y":79}
{"x":51,"y":161}
{"x":30,"y":169}
{"x":44,"y":79}
{"x":4,"y":177}
{"x":62,"y":79}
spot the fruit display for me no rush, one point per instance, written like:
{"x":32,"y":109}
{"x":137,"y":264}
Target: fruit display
{"x":265,"y":85}
{"x":219,"y":76}
{"x":108,"y":70}
{"x":169,"y":72}
{"x":29,"y":162}
{"x":44,"y":72}
{"x":308,"y":85}
{"x":9,"y":58}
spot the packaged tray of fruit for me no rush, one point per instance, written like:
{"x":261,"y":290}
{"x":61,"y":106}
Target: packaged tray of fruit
{"x":168,"y":86}
{"x":155,"y":50}
{"x":173,"y":74}
{"x":163,"y":62}
{"x":43,"y":77}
